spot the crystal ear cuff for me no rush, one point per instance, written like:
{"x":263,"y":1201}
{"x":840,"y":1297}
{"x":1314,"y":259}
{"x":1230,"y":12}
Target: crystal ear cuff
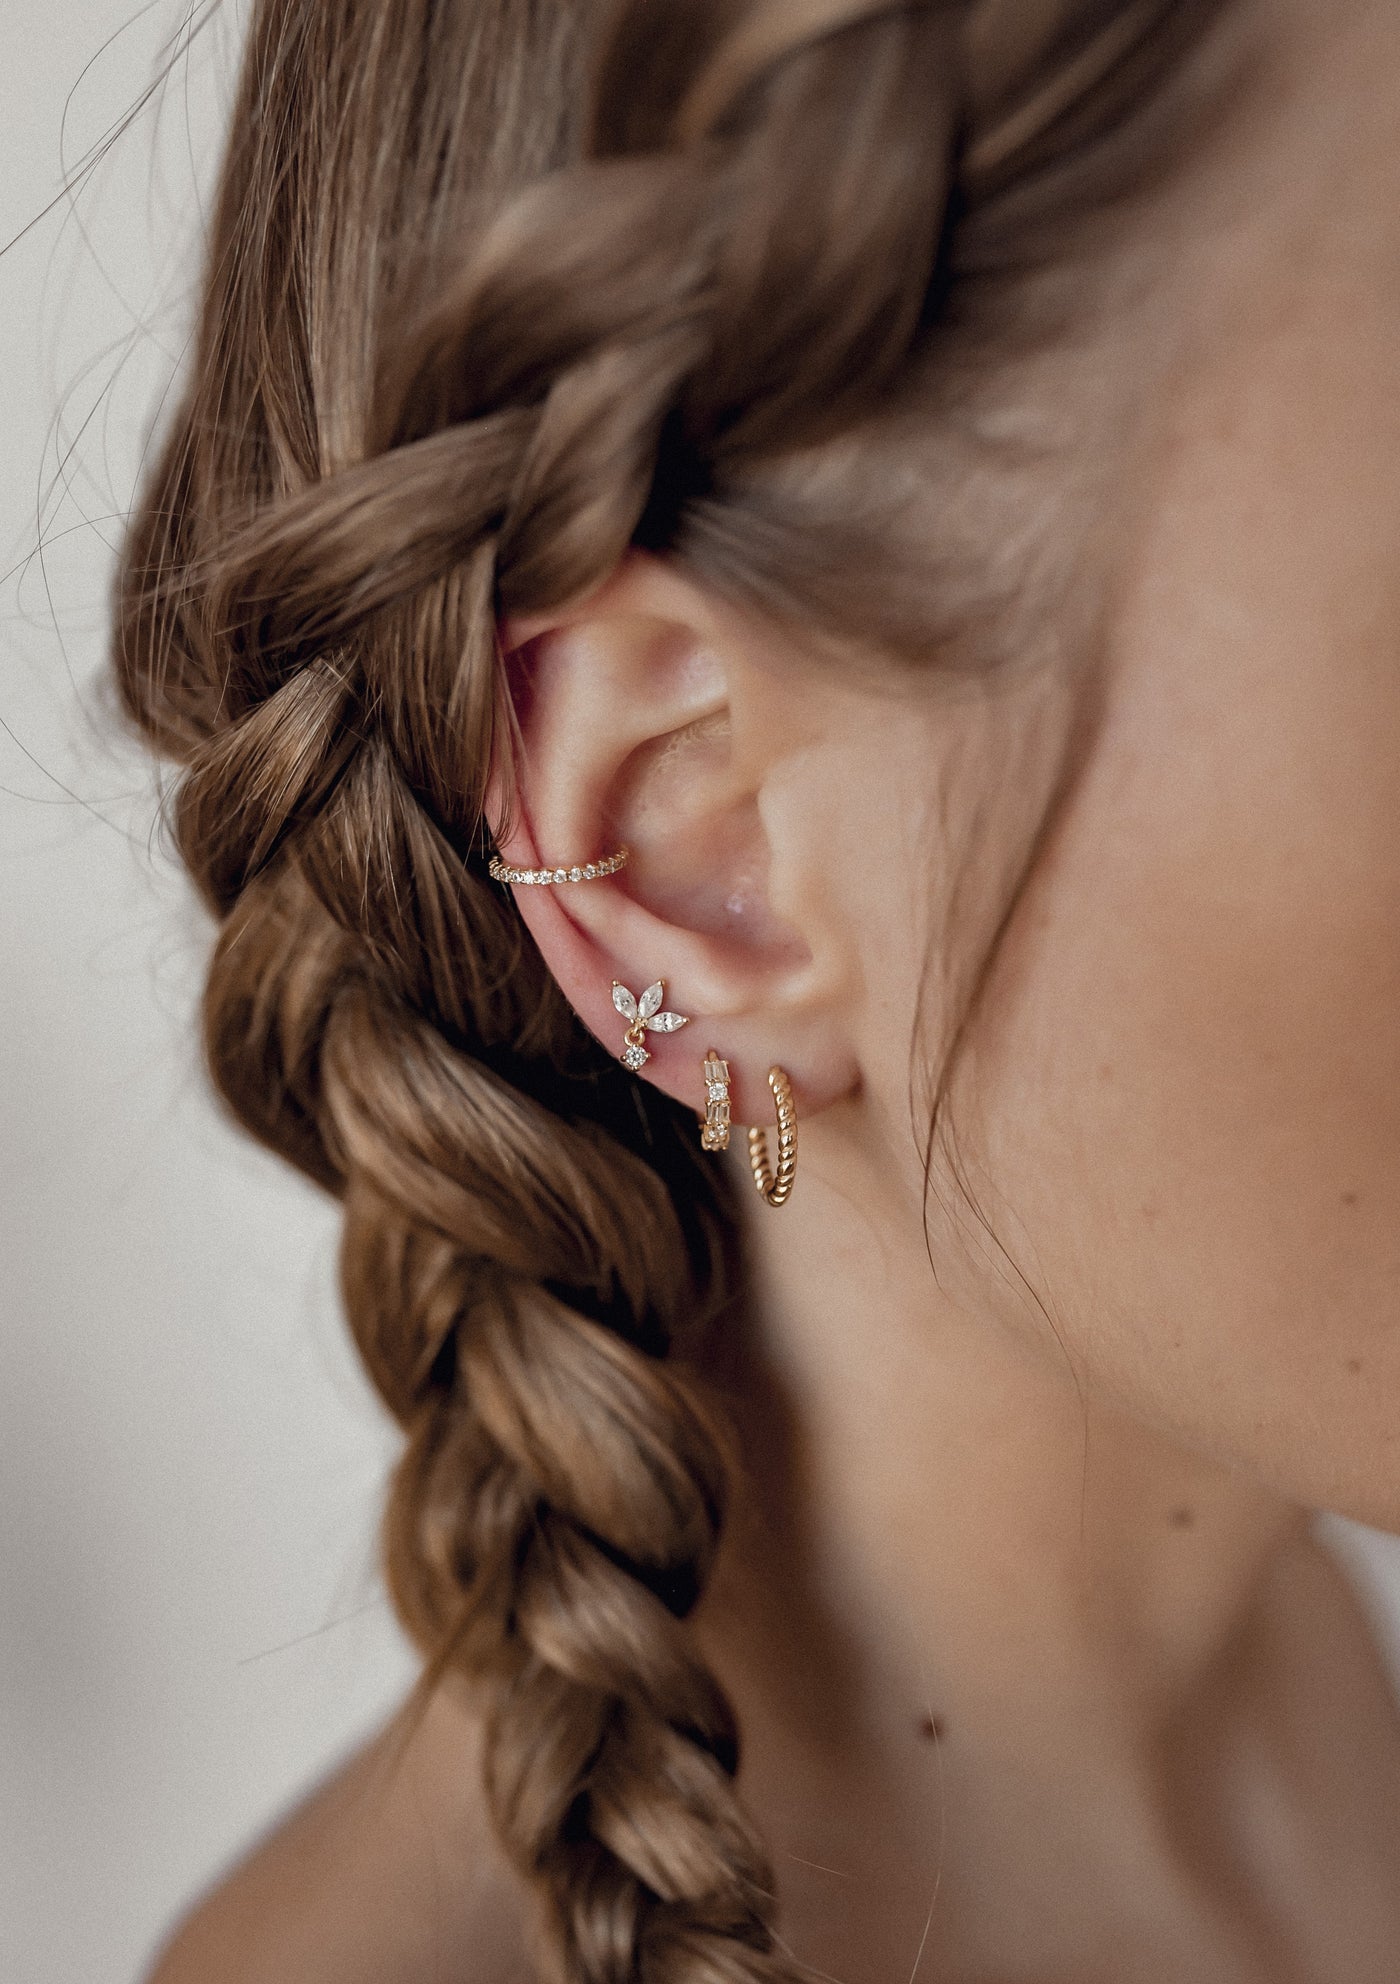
{"x":590,"y":871}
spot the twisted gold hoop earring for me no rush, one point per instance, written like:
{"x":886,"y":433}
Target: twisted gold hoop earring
{"x":774,"y":1186}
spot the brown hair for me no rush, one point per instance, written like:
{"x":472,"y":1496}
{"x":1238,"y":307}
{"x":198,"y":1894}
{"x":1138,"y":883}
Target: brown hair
{"x":494,"y":289}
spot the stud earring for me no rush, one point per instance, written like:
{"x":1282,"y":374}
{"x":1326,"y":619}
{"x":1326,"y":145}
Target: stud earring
{"x":643,"y":1017}
{"x":774,"y":1186}
{"x":714,"y":1132}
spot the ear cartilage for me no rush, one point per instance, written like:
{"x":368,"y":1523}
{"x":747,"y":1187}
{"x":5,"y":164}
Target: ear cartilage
{"x":643,"y":1016}
{"x":774,"y":1186}
{"x":714,"y":1131}
{"x":588,"y":871}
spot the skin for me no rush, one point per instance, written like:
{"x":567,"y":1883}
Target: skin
{"x":1040,"y":1669}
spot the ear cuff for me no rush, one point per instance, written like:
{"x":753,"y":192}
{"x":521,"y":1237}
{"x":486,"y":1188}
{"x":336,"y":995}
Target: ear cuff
{"x":590,"y":871}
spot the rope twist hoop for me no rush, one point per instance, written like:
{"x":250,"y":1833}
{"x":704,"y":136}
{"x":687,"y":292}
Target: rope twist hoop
{"x":590,"y":871}
{"x":776,"y":1186}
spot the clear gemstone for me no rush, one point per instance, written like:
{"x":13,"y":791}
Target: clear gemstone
{"x":717,"y":1091}
{"x":576,"y":874}
{"x":666,"y":1022}
{"x":561,"y":874}
{"x":590,"y":872}
{"x":634,"y":1057}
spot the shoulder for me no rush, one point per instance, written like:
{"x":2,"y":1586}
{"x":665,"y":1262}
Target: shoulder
{"x":386,"y":1874}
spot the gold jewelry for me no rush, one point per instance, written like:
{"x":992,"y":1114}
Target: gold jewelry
{"x":775,"y":1186}
{"x":643,"y":1017}
{"x":591,"y":871}
{"x":714,"y":1132}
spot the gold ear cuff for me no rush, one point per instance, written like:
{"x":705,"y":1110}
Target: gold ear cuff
{"x":590,"y":871}
{"x":774,"y":1186}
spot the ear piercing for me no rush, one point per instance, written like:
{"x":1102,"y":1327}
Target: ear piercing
{"x":714,"y":1132}
{"x":643,"y":1017}
{"x":591,"y":871}
{"x":774,"y":1186}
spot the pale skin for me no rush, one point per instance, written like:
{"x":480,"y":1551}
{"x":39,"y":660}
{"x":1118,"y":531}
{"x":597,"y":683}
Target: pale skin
{"x":1040,"y":1670}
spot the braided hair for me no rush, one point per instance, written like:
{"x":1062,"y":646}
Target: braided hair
{"x":494,"y":290}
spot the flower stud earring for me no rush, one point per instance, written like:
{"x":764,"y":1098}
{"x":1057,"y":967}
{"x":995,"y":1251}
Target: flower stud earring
{"x":643,"y":1016}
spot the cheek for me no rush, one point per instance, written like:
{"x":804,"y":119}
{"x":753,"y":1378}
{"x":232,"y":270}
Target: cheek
{"x":1190,"y":1061}
{"x":1188,"y":1070}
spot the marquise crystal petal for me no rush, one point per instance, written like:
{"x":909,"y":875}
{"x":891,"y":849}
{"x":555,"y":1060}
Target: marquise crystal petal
{"x":651,"y":999}
{"x":666,"y":1022}
{"x":624,"y":1001}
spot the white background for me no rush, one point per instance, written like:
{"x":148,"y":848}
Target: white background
{"x":191,"y":1468}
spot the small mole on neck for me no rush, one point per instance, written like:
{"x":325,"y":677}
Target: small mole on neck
{"x":1182,"y":1517}
{"x":932,"y":1728}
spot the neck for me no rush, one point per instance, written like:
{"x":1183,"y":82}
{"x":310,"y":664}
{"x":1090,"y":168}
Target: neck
{"x":945,"y":1513}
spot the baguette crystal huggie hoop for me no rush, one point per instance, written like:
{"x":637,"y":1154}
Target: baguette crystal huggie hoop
{"x":774,"y":1186}
{"x":591,"y":871}
{"x":714,"y":1131}
{"x":643,"y":1016}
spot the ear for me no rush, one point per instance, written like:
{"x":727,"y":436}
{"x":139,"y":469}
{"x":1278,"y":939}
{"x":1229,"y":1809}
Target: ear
{"x":651,"y":716}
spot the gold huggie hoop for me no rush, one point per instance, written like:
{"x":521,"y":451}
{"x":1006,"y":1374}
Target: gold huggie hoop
{"x":590,"y":871}
{"x":714,"y":1132}
{"x":774,"y":1186}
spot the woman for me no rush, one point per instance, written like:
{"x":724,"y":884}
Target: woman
{"x":870,"y":530}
